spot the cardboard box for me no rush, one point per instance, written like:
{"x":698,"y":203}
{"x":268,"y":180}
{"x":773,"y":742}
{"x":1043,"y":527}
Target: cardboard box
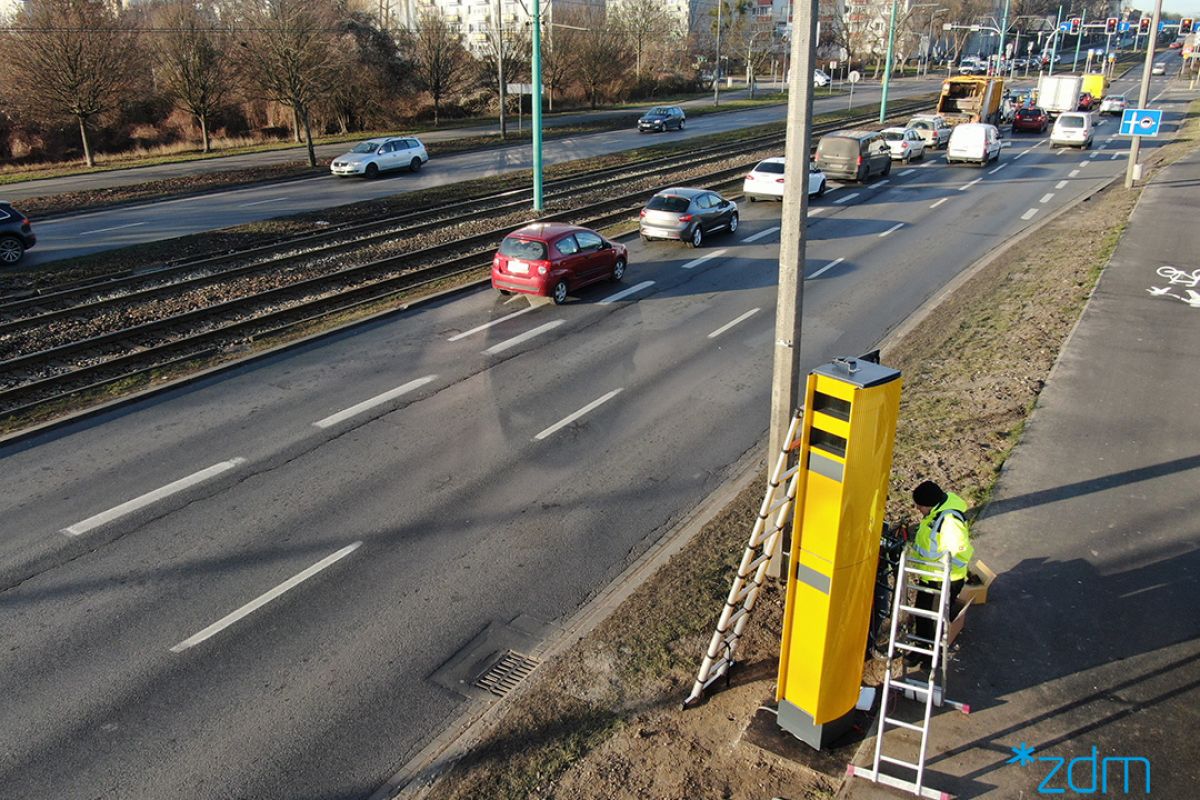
{"x":976,"y":589}
{"x":960,"y":619}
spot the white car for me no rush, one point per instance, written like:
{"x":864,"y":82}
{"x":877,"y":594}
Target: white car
{"x":1159,"y":69}
{"x":1072,"y":129}
{"x":905,"y":144}
{"x":820,"y":78}
{"x":765,"y":181}
{"x":1113,"y":104}
{"x":374,"y":156}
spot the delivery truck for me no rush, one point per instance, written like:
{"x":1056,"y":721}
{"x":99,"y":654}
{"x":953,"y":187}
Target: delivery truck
{"x":1095,"y":84}
{"x":1059,"y":93}
{"x":971,"y":98}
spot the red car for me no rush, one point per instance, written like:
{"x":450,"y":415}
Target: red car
{"x":1030,"y":119}
{"x":550,"y":259}
{"x":1086,"y":101}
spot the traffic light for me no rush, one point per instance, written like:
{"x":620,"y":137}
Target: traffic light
{"x":1074,"y":29}
{"x":1110,"y":25}
{"x":1185,"y":25}
{"x":1144,"y":26}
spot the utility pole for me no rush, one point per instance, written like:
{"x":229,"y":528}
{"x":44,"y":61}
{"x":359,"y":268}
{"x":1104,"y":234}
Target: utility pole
{"x":1144,"y":91}
{"x":785,"y":378}
{"x":1000,"y":46}
{"x":1055,"y":39}
{"x":500,"y":63}
{"x":717,"y":66}
{"x":536,"y":68}
{"x":1079,"y":39}
{"x":887,"y":67}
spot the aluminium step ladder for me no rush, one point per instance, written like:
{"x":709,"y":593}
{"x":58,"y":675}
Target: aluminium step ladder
{"x":930,"y":693}
{"x":773,"y":517}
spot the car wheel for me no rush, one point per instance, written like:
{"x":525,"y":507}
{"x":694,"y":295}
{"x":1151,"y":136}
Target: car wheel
{"x":904,"y":159}
{"x":733,"y":222}
{"x":682,"y":122}
{"x":887,"y":169}
{"x":505,"y":292}
{"x":861,"y":177}
{"x":414,"y":165}
{"x":697,"y":237}
{"x":559,"y":294}
{"x":752,"y":198}
{"x":821,"y":189}
{"x":372,"y":171}
{"x":645,"y":238}
{"x":618,"y":271}
{"x":11,"y":250}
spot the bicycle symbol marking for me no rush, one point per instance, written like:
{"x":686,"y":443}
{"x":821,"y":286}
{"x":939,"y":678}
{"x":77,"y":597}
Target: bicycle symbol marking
{"x":1178,"y":277}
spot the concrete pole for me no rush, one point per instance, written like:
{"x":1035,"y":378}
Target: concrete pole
{"x":1144,"y":91}
{"x":1000,"y":46}
{"x":500,"y":64}
{"x":785,"y":378}
{"x":1057,"y":34}
{"x":536,"y":68}
{"x":887,"y":64}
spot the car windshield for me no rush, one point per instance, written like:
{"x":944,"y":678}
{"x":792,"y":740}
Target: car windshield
{"x":366,"y":147}
{"x":1118,"y":98}
{"x":658,"y":112}
{"x":894,"y":136}
{"x":666,"y":202}
{"x":921,"y":125}
{"x":1070,"y":122}
{"x":522,"y":248}
{"x":773,"y":167}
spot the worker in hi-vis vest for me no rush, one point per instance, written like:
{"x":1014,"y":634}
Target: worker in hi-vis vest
{"x":943,"y":530}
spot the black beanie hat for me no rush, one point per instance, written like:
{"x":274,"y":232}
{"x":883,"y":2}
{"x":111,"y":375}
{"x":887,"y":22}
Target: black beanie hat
{"x":929,"y":494}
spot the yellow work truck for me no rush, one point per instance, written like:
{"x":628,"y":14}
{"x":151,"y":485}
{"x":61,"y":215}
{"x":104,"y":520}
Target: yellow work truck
{"x":971,"y":98}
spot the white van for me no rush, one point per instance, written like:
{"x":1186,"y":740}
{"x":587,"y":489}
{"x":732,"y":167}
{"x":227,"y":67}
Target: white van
{"x":1073,"y":129}
{"x":974,"y":142}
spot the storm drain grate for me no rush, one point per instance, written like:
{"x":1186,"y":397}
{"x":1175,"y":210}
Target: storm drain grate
{"x":505,"y":674}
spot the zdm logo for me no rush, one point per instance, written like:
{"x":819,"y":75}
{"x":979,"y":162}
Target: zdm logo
{"x":1093,"y":775}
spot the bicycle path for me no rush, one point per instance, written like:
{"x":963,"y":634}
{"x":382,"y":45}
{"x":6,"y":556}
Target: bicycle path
{"x":1089,"y":645}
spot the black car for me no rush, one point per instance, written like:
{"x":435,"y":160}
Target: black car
{"x":16,"y":234}
{"x":662,"y":118}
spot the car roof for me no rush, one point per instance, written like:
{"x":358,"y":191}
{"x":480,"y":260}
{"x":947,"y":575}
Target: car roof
{"x":545,"y":231}
{"x":896,"y":129}
{"x":856,"y":133}
{"x":774,"y":160}
{"x":681,"y":191}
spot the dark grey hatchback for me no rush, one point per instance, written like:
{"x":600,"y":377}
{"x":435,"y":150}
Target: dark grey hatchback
{"x":662,"y":118}
{"x":687,"y":215}
{"x":16,"y":234}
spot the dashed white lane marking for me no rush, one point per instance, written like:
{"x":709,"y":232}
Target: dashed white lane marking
{"x":358,"y":408}
{"x":524,"y":337}
{"x":1083,"y":163}
{"x":847,"y":198}
{"x":883,"y":182}
{"x":907,"y":172}
{"x":826,"y":268}
{"x":763,"y":234}
{"x":1060,"y":184}
{"x":113,"y":228}
{"x":1047,"y":197}
{"x":154,"y":496}
{"x":1072,"y":173}
{"x":994,"y":170}
{"x":621,"y":295}
{"x":1027,"y":149}
{"x":812,"y":212}
{"x":456,"y":337}
{"x":892,"y":229}
{"x":964,"y":187}
{"x":695,"y":262}
{"x":262,"y":202}
{"x":1103,"y":144}
{"x":939,"y":202}
{"x":565,"y":421}
{"x":1029,"y":214}
{"x":263,"y":599}
{"x":1115,"y":156}
{"x":729,"y":325}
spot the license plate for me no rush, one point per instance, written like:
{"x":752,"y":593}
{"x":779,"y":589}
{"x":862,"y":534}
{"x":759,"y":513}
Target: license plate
{"x":518,"y":267}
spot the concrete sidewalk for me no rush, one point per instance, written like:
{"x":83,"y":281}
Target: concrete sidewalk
{"x":1091,"y":636}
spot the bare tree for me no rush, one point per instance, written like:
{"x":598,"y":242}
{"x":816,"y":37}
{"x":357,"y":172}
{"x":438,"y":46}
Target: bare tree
{"x":441,"y":63}
{"x":371,"y":74}
{"x":643,"y":23}
{"x":505,"y":60}
{"x":287,"y":51}
{"x":193,"y":63}
{"x":560,"y":53}
{"x":74,"y":59}
{"x":601,"y":56}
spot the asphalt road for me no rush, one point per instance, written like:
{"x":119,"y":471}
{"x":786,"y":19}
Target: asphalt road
{"x":75,"y":235}
{"x":253,"y":586}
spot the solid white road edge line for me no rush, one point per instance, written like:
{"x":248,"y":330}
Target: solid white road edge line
{"x":358,"y":408}
{"x":969,"y":185}
{"x":113,"y":228}
{"x":847,"y":198}
{"x":152,"y":497}
{"x":487,"y":325}
{"x":1047,"y":197}
{"x":767,"y":232}
{"x":599,"y":401}
{"x":729,"y":325}
{"x":826,"y":268}
{"x":695,"y":262}
{"x":524,"y":337}
{"x":1029,"y":214}
{"x":263,"y":599}
{"x":892,"y":229}
{"x":939,"y":202}
{"x":612,"y":298}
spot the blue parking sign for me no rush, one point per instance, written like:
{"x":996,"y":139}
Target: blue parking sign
{"x":1140,"y":122}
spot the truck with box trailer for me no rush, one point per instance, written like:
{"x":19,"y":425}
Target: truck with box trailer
{"x":1059,"y":93}
{"x":971,"y":98}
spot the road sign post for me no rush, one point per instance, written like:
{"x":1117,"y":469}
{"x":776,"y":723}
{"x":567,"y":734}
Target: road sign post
{"x":1143,"y":93}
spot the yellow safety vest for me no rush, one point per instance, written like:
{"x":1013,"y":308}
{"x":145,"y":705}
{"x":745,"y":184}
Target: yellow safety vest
{"x":944,"y":530}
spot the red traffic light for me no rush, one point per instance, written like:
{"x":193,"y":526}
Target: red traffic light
{"x":1074,"y":28}
{"x":1144,"y":26}
{"x":1185,"y":25}
{"x":1110,"y":25}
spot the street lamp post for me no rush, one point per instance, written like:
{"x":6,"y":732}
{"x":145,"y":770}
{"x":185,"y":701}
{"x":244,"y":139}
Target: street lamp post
{"x":887,"y":67}
{"x":1000,"y":44}
{"x":1079,"y":39}
{"x":536,"y":69}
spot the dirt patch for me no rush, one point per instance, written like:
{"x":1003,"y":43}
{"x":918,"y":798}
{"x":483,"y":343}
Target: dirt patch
{"x":603,"y":721}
